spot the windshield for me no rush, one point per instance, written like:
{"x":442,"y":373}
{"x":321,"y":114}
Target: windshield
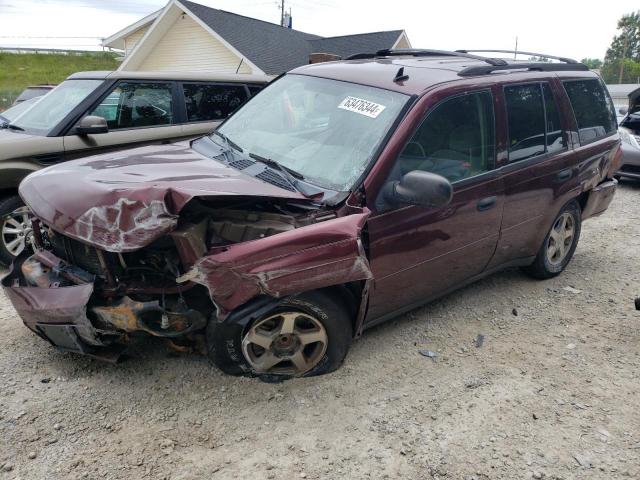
{"x":53,"y":107}
{"x":326,"y":130}
{"x":14,"y":112}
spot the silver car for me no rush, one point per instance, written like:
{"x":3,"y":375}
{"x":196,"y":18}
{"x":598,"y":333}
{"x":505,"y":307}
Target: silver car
{"x":96,"y":112}
{"x":630,"y":135}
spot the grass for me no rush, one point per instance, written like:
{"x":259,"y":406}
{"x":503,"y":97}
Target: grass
{"x":19,"y":70}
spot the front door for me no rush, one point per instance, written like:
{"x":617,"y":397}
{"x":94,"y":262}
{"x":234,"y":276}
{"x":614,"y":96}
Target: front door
{"x":137,"y":113}
{"x":418,"y":253}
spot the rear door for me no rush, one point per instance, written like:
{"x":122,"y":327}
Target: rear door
{"x":543,"y":168}
{"x":208,"y":104}
{"x":417,"y":253}
{"x":137,"y":113}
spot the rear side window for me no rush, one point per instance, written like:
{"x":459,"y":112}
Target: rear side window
{"x":456,"y":139}
{"x":534,"y":121}
{"x":592,"y":107}
{"x":207,"y":102}
{"x":132,"y":105}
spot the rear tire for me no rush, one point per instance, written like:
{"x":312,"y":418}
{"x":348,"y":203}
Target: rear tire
{"x":15,"y":228}
{"x":252,"y":350}
{"x":559,"y":245}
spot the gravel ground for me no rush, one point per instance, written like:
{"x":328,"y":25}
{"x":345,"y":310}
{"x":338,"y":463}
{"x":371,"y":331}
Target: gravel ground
{"x":552,"y":392}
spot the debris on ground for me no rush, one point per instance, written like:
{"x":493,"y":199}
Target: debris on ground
{"x":572,"y":290}
{"x":479,"y":340}
{"x":429,"y":354}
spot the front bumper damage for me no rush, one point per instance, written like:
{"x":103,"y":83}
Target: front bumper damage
{"x":96,"y":315}
{"x":58,"y":315}
{"x":54,"y":301}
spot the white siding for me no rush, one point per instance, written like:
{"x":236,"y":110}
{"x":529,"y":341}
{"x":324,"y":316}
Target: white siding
{"x":131,"y":40}
{"x":403,"y":42}
{"x":188,"y":47}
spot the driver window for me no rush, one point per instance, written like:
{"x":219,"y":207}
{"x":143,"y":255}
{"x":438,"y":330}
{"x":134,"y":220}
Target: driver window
{"x":132,"y":105}
{"x":456,"y":139}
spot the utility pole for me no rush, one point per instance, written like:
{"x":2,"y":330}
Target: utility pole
{"x":281,"y":13}
{"x":515,"y":52}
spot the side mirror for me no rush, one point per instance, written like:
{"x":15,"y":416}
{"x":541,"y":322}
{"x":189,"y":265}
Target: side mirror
{"x":420,"y":188}
{"x":91,"y":125}
{"x":623,"y":110}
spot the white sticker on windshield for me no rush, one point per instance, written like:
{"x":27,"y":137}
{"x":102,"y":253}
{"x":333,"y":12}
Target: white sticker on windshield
{"x":363,"y":107}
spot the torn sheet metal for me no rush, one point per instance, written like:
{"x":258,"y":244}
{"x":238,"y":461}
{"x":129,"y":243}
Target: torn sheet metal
{"x":308,"y":258}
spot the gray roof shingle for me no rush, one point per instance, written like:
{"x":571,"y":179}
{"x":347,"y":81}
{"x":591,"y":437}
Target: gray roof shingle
{"x":275,"y":49}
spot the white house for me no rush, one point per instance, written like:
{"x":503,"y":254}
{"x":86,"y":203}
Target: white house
{"x":186,"y":36}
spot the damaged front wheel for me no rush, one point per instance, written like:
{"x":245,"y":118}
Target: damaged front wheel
{"x":304,"y":336}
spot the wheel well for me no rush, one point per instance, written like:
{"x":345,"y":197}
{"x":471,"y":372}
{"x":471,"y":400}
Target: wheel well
{"x":350,"y":295}
{"x":582,"y":199}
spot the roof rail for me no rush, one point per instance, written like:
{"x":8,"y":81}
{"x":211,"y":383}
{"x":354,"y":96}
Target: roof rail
{"x":535,"y":66}
{"x":544,"y":55}
{"x":494,"y":64}
{"x":426,"y":53}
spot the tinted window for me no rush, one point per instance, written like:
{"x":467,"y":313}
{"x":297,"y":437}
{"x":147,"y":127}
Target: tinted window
{"x":253,"y":89}
{"x":525,"y":109}
{"x":555,"y":134}
{"x":212,"y":102}
{"x":456,"y":140}
{"x":132,"y":105}
{"x":592,"y":107}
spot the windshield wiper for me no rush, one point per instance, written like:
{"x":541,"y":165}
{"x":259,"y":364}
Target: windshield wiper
{"x":14,"y":127}
{"x":231,"y":143}
{"x":290,"y":175}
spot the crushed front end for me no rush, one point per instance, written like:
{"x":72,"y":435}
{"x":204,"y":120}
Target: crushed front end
{"x":87,"y":299}
{"x":90,"y":301}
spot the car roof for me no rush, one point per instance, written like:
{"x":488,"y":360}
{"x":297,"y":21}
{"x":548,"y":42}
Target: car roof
{"x":180,"y":76}
{"x":423,"y":72}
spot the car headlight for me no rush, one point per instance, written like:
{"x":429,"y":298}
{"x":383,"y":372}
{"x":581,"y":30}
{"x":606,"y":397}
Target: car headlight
{"x":629,"y":138}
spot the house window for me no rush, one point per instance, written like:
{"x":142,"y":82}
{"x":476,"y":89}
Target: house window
{"x":212,"y":102}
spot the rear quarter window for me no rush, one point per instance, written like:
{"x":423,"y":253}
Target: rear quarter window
{"x":592,"y":107}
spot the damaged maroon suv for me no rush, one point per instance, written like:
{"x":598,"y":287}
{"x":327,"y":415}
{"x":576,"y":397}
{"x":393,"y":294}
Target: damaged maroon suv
{"x":341,"y":195}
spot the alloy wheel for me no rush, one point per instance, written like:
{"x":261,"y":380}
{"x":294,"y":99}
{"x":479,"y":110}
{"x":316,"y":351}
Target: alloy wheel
{"x":285,"y":343}
{"x":17,"y":231}
{"x":560,"y":239}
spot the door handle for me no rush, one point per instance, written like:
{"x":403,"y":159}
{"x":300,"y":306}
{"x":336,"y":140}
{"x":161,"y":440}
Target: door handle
{"x":487,"y":203}
{"x":563,"y":175}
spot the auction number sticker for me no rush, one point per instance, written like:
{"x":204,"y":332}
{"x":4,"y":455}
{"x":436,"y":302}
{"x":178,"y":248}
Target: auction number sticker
{"x":361,"y":106}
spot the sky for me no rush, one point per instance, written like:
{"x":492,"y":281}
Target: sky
{"x":572,"y":28}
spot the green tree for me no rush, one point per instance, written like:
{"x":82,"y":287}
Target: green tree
{"x":623,"y":56}
{"x":592,"y":63}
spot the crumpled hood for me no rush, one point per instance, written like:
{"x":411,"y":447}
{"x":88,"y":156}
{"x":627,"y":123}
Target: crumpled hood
{"x":125,"y":200}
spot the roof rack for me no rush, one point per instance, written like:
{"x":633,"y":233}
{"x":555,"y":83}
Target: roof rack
{"x":543,"y":55}
{"x":414,"y":52}
{"x":532,"y":66}
{"x":494,"y":64}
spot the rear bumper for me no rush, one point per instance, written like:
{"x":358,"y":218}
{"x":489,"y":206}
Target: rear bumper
{"x":599,"y":199}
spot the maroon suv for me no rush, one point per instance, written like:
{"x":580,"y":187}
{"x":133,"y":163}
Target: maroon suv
{"x":343,"y":194}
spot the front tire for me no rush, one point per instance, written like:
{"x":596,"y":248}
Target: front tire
{"x":15,"y":228}
{"x":304,"y":336}
{"x":559,"y":245}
